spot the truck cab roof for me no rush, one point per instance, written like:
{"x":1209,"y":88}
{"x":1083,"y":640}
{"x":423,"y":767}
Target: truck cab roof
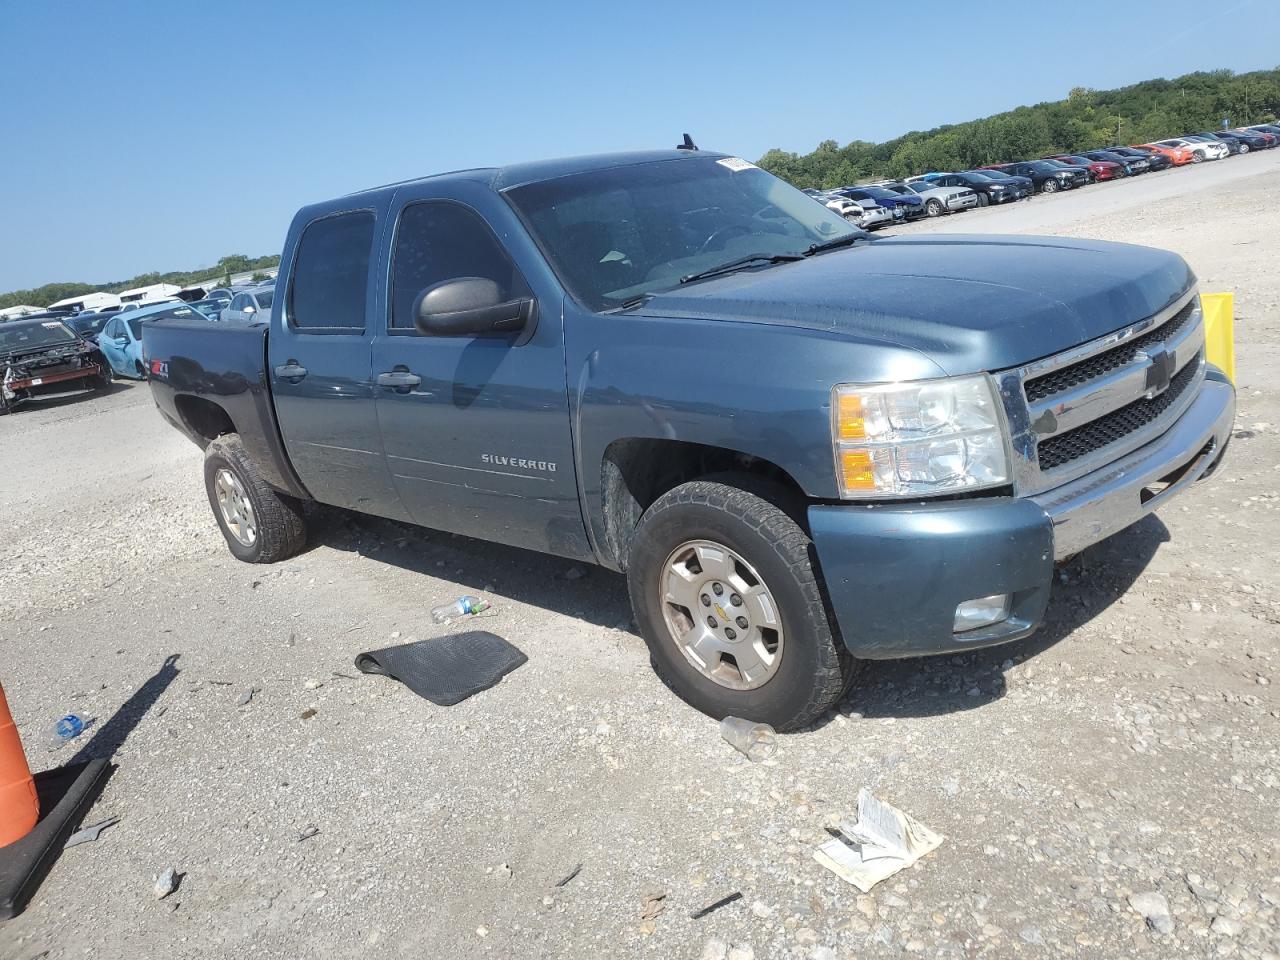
{"x":518,"y":174}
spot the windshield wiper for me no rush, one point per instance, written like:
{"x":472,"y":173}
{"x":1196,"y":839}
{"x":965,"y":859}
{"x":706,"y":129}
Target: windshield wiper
{"x":741,"y":262}
{"x":846,"y":241}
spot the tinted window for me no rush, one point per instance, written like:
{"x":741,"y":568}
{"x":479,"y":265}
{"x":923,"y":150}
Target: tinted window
{"x":440,"y":241}
{"x":135,"y":327}
{"x":264,"y":298}
{"x":330,"y":272}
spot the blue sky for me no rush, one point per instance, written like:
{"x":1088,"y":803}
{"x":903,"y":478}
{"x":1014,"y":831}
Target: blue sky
{"x":160,"y":136}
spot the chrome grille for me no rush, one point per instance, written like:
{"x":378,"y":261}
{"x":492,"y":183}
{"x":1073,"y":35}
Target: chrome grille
{"x":1081,"y":409}
{"x":1103,"y":363}
{"x":1113,"y":427}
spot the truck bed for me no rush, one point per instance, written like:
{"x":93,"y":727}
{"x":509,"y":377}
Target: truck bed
{"x":226,"y":390}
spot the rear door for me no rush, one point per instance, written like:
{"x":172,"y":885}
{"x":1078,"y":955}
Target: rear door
{"x":112,"y":332}
{"x":318,"y":362}
{"x":476,"y":428}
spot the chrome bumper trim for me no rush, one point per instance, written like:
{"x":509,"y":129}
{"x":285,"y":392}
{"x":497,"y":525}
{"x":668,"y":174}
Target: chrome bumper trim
{"x":1106,"y":501}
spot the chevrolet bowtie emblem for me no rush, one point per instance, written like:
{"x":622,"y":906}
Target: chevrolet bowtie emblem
{"x":1160,"y":372}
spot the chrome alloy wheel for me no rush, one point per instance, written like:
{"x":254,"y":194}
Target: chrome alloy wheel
{"x":721,"y":615}
{"x":237,"y":511}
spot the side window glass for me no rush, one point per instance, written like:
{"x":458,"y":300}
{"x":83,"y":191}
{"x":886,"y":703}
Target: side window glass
{"x":331,"y":274}
{"x":113,"y":329}
{"x":441,"y":240}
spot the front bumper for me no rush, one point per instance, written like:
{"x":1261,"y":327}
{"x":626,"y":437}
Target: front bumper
{"x":895,"y":573}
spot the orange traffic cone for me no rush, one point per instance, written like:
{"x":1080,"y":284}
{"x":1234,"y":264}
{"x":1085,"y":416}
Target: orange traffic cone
{"x":19,"y":805}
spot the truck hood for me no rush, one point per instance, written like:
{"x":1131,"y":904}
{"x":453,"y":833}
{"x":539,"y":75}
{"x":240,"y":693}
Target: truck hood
{"x":969,"y":303}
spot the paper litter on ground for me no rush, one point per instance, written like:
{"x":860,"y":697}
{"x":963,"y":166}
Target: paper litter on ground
{"x":882,"y":842}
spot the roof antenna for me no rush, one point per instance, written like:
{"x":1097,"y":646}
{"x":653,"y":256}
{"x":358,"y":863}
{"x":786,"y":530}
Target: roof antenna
{"x":688,"y":144}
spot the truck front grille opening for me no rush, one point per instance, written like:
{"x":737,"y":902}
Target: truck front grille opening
{"x":1084,"y":440}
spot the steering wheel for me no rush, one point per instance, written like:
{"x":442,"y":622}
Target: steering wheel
{"x":723,"y":234}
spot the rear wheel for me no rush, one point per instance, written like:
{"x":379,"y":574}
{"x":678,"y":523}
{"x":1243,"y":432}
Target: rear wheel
{"x":933,"y":208}
{"x":259,"y":524}
{"x":727,"y":599}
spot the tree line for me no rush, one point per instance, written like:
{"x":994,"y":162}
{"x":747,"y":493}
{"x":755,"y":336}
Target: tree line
{"x":1086,"y":120}
{"x":226,"y":267}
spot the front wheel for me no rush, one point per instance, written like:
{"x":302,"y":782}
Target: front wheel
{"x":1197,"y":157}
{"x":1050,"y":186}
{"x":983,"y":200}
{"x":1244,"y":148}
{"x":727,"y":599}
{"x":933,"y":208}
{"x":259,"y":524}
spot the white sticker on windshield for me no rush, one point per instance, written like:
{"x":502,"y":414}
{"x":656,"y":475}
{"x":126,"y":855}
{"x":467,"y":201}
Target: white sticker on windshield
{"x":735,"y":164}
{"x":52,"y":323}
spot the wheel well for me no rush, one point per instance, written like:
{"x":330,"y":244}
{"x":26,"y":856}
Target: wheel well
{"x":204,"y":418}
{"x":636,"y":472}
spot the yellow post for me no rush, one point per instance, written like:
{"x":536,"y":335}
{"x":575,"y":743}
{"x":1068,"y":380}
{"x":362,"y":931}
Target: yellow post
{"x":1219,"y":331}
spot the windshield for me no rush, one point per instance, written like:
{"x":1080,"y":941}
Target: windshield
{"x":880,"y":193}
{"x":978,"y":177}
{"x":88,"y":323}
{"x":920,"y":186}
{"x":620,"y":232}
{"x":1043,"y":166}
{"x":33,"y":336}
{"x":994,"y":174}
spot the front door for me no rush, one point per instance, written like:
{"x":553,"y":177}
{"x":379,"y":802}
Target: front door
{"x":318,"y":362}
{"x":475,"y":428}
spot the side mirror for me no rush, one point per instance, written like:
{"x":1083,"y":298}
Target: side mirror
{"x":469,"y":305}
{"x":249,"y":309}
{"x":122,"y":342}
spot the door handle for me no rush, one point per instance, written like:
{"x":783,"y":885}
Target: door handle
{"x":291,"y":371}
{"x":399,"y":378}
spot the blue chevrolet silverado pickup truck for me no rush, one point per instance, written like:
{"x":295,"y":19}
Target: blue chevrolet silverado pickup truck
{"x":804,"y":447}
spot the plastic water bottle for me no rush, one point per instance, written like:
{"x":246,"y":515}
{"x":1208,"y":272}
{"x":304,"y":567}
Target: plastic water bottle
{"x":462,"y":607}
{"x":68,"y":728}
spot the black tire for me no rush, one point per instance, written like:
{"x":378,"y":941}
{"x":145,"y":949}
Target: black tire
{"x":1049,"y":186}
{"x":983,"y":200}
{"x":815,"y":667}
{"x":105,"y":379}
{"x":933,"y":208}
{"x":281,"y":529}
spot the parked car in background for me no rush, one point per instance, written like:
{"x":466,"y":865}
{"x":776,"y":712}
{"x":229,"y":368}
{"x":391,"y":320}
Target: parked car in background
{"x":1155,"y":159}
{"x":1132,"y":165}
{"x":40,"y":356}
{"x":1000,"y":176}
{"x":1270,"y":129}
{"x":987,"y":189}
{"x":1233,"y":146}
{"x":903,"y":207}
{"x":211,"y":307}
{"x":851,"y":210}
{"x":1178,"y":155}
{"x":1098,"y":169}
{"x":869,"y":203}
{"x":939,"y":199}
{"x":1199,"y":150}
{"x":1047,"y":177}
{"x":89,"y":323}
{"x":144,"y":304}
{"x":121,"y":339}
{"x":1246,"y":141}
{"x":247,"y":303}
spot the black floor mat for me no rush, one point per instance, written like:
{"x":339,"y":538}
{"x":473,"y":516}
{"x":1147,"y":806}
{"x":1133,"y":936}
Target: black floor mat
{"x":446,"y":670}
{"x":65,"y":793}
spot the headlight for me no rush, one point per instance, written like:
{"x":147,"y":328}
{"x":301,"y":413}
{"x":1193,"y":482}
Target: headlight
{"x":996,"y":186}
{"x":913,"y":439}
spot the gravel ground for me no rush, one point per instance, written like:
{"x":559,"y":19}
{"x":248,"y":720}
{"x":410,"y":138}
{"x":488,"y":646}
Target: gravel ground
{"x":1123,"y":760}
